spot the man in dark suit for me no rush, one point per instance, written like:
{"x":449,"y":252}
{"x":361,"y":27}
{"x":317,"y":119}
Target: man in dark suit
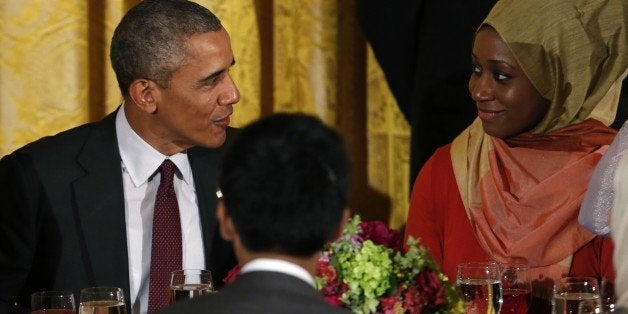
{"x":284,"y":188}
{"x":77,"y":208}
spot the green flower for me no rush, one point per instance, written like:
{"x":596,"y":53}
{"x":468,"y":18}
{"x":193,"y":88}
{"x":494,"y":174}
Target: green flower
{"x":375,"y":272}
{"x":368,"y":275}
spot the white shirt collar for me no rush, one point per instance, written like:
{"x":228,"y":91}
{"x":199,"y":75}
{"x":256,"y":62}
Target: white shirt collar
{"x":139,"y":158}
{"x":280,"y":266}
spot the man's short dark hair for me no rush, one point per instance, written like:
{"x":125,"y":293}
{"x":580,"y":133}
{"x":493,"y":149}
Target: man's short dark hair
{"x":149,"y":42}
{"x":285,"y":183}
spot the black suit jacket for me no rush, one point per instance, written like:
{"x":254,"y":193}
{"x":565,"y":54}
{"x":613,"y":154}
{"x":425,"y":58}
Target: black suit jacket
{"x":259,"y":292}
{"x":62,"y":216}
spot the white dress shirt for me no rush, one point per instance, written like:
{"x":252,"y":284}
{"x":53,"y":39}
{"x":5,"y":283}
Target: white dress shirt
{"x":140,"y":162}
{"x":280,"y":266}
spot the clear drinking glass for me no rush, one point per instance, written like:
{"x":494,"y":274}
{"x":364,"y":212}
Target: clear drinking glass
{"x":101,"y":300}
{"x":189,"y":283}
{"x":575,"y":295}
{"x":588,"y":307}
{"x":480,"y":282}
{"x":607,"y":296}
{"x":55,"y":302}
{"x":516,"y":286}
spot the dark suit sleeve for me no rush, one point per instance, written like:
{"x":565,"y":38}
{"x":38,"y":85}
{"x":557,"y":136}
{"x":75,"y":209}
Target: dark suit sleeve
{"x":20,"y":199}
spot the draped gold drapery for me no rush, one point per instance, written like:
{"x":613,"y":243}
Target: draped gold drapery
{"x":292,"y":55}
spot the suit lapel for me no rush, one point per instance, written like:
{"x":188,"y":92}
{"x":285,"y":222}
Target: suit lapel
{"x":205,"y":165}
{"x":99,"y":196}
{"x":204,"y":170}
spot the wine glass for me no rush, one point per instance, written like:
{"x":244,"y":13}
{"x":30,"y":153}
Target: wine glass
{"x":480,"y":283}
{"x":55,"y":302}
{"x":96,"y":300}
{"x":516,"y":285}
{"x":189,"y":283}
{"x":576,"y":295}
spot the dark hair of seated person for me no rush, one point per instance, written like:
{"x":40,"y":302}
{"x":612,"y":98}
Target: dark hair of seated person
{"x":285,"y":183}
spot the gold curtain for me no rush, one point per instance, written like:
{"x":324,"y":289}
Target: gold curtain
{"x":292,"y":55}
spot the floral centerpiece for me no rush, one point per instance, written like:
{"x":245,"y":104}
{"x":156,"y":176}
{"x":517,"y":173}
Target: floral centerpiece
{"x":368,"y":270}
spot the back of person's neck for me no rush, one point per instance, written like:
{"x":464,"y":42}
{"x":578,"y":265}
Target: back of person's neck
{"x":308,"y":263}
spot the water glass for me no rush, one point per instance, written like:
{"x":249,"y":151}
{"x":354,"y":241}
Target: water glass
{"x":607,"y":296}
{"x":97,"y":300}
{"x":55,"y":302}
{"x":573,"y":295}
{"x":516,"y":286}
{"x":480,"y":282}
{"x":189,"y":283}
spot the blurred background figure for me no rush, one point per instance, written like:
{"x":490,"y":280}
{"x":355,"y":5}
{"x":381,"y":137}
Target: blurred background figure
{"x":604,"y":209}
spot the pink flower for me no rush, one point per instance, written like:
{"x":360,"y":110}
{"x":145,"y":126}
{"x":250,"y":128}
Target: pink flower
{"x":427,"y":293}
{"x":379,"y":233}
{"x":388,"y":304}
{"x":431,"y":288}
{"x":232,"y":274}
{"x":412,"y":301}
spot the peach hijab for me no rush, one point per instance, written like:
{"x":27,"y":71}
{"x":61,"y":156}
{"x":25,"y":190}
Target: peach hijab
{"x":522,"y":194}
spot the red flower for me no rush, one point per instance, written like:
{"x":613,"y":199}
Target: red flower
{"x":432,"y":289}
{"x":413,"y":301}
{"x":379,"y":233}
{"x":232,"y":274}
{"x":326,"y":271}
{"x":333,"y":291}
{"x":427,"y":293}
{"x":388,"y":304}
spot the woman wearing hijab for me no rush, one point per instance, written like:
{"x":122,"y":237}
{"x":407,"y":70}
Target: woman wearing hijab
{"x":546,"y":79}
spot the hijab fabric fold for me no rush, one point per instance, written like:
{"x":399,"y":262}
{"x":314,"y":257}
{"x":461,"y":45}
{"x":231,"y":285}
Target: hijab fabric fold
{"x":523,"y":194}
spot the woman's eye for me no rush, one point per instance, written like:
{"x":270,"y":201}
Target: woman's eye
{"x":500,"y":77}
{"x":475,"y":69}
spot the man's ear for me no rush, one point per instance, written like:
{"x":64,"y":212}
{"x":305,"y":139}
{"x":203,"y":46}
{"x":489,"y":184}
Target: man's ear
{"x":227,"y":229}
{"x":345,"y":216}
{"x":143,"y":93}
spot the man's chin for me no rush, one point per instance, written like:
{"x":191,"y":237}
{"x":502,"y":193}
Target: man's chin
{"x":216,"y":140}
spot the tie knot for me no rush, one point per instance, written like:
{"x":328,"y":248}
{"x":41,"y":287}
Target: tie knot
{"x":167,"y":169}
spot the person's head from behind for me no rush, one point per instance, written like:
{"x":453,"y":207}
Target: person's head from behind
{"x":544,"y":75}
{"x":172,"y":61}
{"x":285,"y":185}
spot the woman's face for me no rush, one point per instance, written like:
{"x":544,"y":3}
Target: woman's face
{"x":507,"y":102}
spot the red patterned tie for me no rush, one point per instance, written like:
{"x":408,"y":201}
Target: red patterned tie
{"x":166,"y":245}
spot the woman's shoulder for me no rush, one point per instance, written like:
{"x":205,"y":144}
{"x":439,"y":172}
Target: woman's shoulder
{"x":441,"y":158}
{"x":438,"y":170}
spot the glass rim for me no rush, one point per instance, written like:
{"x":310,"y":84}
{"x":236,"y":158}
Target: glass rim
{"x":53,"y":293}
{"x":478,"y":264}
{"x":191,"y":272}
{"x":101,"y":289}
{"x":577,"y":279}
